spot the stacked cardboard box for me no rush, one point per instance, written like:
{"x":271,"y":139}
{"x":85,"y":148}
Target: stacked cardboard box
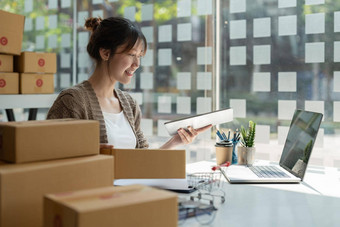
{"x":36,"y":72}
{"x":127,"y":206}
{"x":36,"y":69}
{"x":52,"y":156}
{"x":62,"y":156}
{"x":11,"y":35}
{"x":30,"y":141}
{"x":147,"y":163}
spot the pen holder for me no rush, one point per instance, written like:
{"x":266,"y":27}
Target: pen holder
{"x":223,"y":154}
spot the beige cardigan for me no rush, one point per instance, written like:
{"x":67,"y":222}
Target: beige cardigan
{"x":81,"y":102}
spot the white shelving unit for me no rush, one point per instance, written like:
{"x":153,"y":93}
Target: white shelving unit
{"x":32,"y":102}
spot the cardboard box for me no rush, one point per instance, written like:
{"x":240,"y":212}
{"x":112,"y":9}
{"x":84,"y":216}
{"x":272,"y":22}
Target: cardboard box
{"x":127,"y":206}
{"x":11,"y":32}
{"x":28,"y":141}
{"x":6,"y":63}
{"x":35,"y":62}
{"x":23,"y":186}
{"x":9,"y":83}
{"x":147,"y":163}
{"x":31,"y":83}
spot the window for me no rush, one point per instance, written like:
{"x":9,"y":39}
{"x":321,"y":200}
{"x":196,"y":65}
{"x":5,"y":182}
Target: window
{"x":262,"y":58}
{"x":278,"y":56}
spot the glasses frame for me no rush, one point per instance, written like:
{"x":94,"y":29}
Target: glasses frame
{"x":191,"y":208}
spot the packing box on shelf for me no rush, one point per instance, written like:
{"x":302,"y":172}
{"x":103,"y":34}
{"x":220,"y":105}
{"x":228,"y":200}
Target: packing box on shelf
{"x":127,"y":206}
{"x":147,"y":163}
{"x":23,"y":186}
{"x":28,"y":141}
{"x":35,"y":62}
{"x":6,"y":63}
{"x":31,"y":83}
{"x":9,"y":83}
{"x":11,"y":32}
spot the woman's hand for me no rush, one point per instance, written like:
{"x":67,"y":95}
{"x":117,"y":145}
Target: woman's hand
{"x":105,"y":146}
{"x":184,"y":136}
{"x":189,"y":134}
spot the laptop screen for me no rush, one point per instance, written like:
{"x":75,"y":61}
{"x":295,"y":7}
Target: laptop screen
{"x":300,"y":141}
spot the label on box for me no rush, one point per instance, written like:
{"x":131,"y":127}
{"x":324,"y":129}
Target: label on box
{"x":2,"y":83}
{"x":39,"y":82}
{"x":3,"y":41}
{"x":41,"y":62}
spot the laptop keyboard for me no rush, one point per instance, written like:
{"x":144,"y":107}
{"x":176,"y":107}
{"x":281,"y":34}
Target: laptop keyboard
{"x":268,"y":172}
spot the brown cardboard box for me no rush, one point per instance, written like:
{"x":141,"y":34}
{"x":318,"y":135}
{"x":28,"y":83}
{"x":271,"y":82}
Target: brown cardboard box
{"x":6,"y":63}
{"x":147,"y":163}
{"x":11,"y":32}
{"x":35,"y":62}
{"x":22,"y":186}
{"x":31,"y":83}
{"x":127,"y":206}
{"x":29,"y":141}
{"x":9,"y":83}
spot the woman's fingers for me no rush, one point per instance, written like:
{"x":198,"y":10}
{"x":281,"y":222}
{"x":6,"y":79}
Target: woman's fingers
{"x":189,"y":134}
{"x":199,"y":130}
{"x":192,"y":131}
{"x":106,"y":146}
{"x":180,"y":133}
{"x":185,"y":137}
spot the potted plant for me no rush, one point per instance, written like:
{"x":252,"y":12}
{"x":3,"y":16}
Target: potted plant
{"x":246,"y":150}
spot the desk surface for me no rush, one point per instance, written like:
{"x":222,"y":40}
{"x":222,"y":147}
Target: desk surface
{"x":27,"y":101}
{"x":314,"y":202}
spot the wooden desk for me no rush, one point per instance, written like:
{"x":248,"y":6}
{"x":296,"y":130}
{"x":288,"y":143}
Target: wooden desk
{"x":33,"y":102}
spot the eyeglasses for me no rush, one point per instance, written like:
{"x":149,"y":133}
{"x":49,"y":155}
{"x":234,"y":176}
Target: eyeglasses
{"x":134,"y":56}
{"x":203,"y":211}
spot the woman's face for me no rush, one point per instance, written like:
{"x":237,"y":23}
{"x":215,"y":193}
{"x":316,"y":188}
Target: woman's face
{"x":124,"y":64}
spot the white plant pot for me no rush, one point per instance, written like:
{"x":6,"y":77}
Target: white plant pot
{"x":299,"y":167}
{"x":245,"y":155}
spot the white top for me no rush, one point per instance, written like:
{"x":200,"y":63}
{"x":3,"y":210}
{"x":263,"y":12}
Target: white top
{"x":119,"y":131}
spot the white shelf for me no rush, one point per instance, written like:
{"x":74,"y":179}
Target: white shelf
{"x":27,"y":101}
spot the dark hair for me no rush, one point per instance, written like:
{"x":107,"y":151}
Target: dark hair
{"x":111,"y":33}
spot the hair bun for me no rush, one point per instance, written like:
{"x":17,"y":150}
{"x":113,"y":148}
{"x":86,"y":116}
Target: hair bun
{"x":92,"y":23}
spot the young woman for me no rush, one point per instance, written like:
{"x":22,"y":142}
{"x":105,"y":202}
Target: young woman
{"x":116,"y":45}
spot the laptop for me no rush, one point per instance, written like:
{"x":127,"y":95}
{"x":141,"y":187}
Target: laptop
{"x":294,"y":158}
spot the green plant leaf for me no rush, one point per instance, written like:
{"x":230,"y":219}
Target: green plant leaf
{"x":248,"y":135}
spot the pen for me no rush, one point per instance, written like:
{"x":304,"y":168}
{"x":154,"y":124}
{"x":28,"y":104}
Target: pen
{"x":237,"y":135}
{"x":229,"y":134}
{"x":224,"y":136}
{"x":219,"y":135}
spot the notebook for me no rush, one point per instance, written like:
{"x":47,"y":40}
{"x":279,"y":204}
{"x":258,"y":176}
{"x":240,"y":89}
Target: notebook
{"x":200,"y":120}
{"x":294,"y":158}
